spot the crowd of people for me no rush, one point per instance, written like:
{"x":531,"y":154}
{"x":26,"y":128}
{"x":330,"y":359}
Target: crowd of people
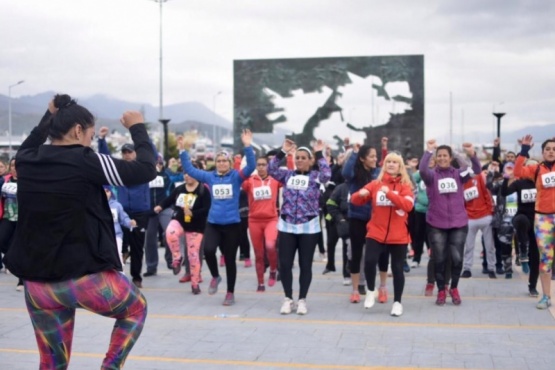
{"x":71,"y":218}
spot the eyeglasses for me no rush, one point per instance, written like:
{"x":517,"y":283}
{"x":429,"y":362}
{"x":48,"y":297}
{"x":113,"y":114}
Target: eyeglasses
{"x":261,"y":164}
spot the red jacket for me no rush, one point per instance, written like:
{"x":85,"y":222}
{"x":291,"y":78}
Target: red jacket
{"x":543,"y":178}
{"x":262,"y":206}
{"x":388,"y":224}
{"x":478,"y":200}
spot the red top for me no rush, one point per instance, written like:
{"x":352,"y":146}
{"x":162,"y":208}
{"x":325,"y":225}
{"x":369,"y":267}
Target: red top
{"x":478,"y":200}
{"x":262,"y":195}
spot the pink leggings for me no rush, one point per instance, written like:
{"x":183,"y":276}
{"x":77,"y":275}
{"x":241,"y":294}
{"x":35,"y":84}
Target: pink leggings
{"x":263,"y":235}
{"x":174,"y":231}
{"x":108,"y":293}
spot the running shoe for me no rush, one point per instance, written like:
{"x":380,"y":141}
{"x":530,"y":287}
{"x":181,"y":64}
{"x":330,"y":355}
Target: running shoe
{"x":525,"y":267}
{"x":229,"y":299}
{"x":361,"y":290}
{"x":222,"y":261}
{"x":429,"y":290}
{"x":287,"y":306}
{"x":213,"y":288}
{"x":455,"y":296}
{"x":397,"y":309}
{"x":347,"y":281}
{"x":441,"y":296}
{"x":370,"y":299}
{"x":355,"y":297}
{"x":176,"y":265}
{"x":301,"y":307}
{"x":382,"y":294}
{"x":414,"y":264}
{"x":533,"y":292}
{"x":491,"y":275}
{"x":466,"y":274}
{"x":544,"y":303}
{"x":272,"y":279}
{"x":195,"y":289}
{"x":19,"y":288}
{"x":185,"y":279}
{"x":261,"y":288}
{"x":248,"y":262}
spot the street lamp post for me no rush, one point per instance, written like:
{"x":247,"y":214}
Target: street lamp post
{"x":161,"y":119}
{"x":214,"y":123}
{"x":499,"y":115}
{"x":10,"y":116}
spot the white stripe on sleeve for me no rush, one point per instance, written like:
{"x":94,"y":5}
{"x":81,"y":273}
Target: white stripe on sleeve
{"x":110,"y":171}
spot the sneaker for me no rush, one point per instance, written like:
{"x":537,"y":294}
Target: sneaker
{"x":361,"y":290}
{"x":499,"y":270}
{"x":525,"y":267}
{"x":455,"y":296}
{"x":466,"y":274}
{"x":523,"y":258}
{"x":355,"y":297}
{"x":195,"y":289}
{"x":382,"y":294}
{"x":124,"y":257}
{"x":347,"y":281}
{"x":411,"y":253}
{"x":149,"y":273}
{"x":272,"y":279}
{"x":213,"y":288}
{"x":185,"y":279}
{"x":301,"y":307}
{"x":414,"y":264}
{"x":492,"y":275}
{"x":485,"y":271}
{"x":327,"y":271}
{"x":509,"y":275}
{"x":278,"y":277}
{"x":323,"y":257}
{"x":397,"y":309}
{"x":229,"y":299}
{"x":19,"y":288}
{"x":532,"y":292}
{"x":222,"y":261}
{"x":138,"y":283}
{"x":544,"y":303}
{"x":441,"y":296}
{"x":429,"y":290}
{"x":176,"y":266}
{"x":518,"y":261}
{"x":248,"y":262}
{"x":287,"y":306}
{"x":261,"y":288}
{"x":370,"y":299}
{"x":406,"y":267}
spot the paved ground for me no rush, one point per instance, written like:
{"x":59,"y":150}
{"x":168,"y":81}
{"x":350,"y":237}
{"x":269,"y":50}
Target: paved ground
{"x":496,"y":327}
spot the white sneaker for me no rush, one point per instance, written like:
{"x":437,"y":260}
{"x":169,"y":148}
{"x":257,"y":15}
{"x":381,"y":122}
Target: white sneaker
{"x":347,"y":281}
{"x":414,"y":264}
{"x":287,"y":306}
{"x":370,"y":299}
{"x":324,"y":257}
{"x":19,"y":288}
{"x":397,"y":309}
{"x":301,"y":307}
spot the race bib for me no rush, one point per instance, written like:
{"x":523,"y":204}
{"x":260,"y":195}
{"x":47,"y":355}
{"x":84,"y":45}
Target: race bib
{"x":422,"y":185}
{"x":186,"y":200}
{"x":114,"y":214}
{"x":158,"y":182}
{"x":222,"y":191}
{"x":178,"y":183}
{"x":262,"y":192}
{"x":381,"y":200}
{"x":471,"y":193}
{"x":548,"y":180}
{"x":299,"y":182}
{"x":447,"y":185}
{"x":528,"y":195}
{"x":494,"y":197}
{"x":510,"y":210}
{"x":9,"y":188}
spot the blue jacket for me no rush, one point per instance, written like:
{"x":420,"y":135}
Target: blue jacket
{"x":135,"y":198}
{"x":359,"y":212}
{"x":222,"y":211}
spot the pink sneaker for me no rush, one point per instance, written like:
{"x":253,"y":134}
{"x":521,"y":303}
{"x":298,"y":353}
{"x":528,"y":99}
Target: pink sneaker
{"x":248,"y":262}
{"x":272,"y":279}
{"x":222,"y":261}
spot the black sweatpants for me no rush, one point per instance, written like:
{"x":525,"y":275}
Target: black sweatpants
{"x":288,"y":246}
{"x":227,"y":238}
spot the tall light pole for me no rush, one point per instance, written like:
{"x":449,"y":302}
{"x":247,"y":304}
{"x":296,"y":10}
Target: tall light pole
{"x":10,"y":116}
{"x":214,"y":123}
{"x":161,"y":119}
{"x":499,"y":115}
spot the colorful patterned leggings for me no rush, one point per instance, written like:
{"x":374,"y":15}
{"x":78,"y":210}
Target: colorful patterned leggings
{"x":544,"y":226}
{"x":174,"y":232}
{"x":108,"y":293}
{"x":264,"y":236}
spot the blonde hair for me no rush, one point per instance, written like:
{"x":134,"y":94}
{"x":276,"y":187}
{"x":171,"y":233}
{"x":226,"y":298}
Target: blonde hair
{"x":405,"y":177}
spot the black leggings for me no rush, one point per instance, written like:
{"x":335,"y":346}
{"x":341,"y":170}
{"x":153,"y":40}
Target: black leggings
{"x":443,"y":243}
{"x":288,"y":246}
{"x":227,"y":238}
{"x":526,"y":240}
{"x":419,"y":235}
{"x":374,"y":252}
{"x":357,"y":233}
{"x":244,"y":244}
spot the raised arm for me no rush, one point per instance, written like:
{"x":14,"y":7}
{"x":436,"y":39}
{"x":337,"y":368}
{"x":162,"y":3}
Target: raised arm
{"x":273,"y":167}
{"x":522,"y":171}
{"x":426,"y":173}
{"x":324,"y":173}
{"x":348,"y":170}
{"x":39,"y":134}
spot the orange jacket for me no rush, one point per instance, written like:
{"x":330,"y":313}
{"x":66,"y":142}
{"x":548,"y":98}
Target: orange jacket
{"x":478,"y":200}
{"x":388,"y":223}
{"x":265,"y":206}
{"x":545,"y":198}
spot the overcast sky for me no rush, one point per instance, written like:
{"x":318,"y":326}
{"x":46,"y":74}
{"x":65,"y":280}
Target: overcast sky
{"x":491,"y":54}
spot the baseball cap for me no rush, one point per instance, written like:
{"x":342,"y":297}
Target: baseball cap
{"x":128,"y":148}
